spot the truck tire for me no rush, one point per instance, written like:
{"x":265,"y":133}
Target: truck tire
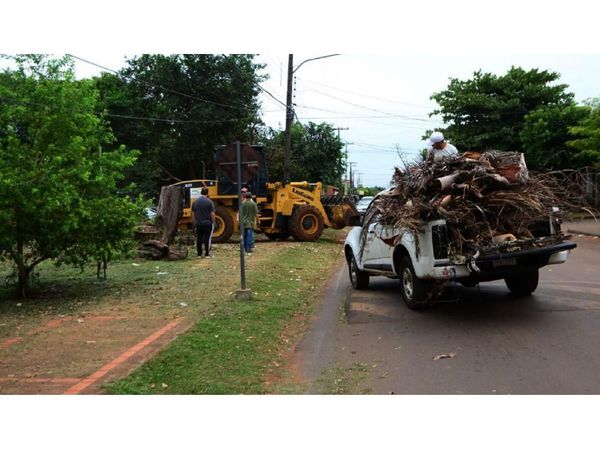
{"x":358,"y":278}
{"x":306,"y":223}
{"x":223,"y":225}
{"x":414,"y":290}
{"x":524,"y":283}
{"x":281,"y":236}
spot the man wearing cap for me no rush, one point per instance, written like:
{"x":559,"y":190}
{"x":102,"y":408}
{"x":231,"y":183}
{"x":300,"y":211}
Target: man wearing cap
{"x":438,"y":148}
{"x":248,"y":217}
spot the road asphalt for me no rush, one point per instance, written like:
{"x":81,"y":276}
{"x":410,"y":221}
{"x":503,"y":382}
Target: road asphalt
{"x":589,"y":227}
{"x":481,"y":341}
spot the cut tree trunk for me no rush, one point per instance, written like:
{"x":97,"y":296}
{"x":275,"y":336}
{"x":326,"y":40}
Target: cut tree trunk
{"x":170,"y":209}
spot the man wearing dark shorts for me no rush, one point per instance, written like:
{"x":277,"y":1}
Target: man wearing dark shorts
{"x":204,"y":218}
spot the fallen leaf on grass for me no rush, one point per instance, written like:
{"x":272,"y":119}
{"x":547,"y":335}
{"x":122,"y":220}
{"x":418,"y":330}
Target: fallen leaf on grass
{"x":183,"y":304}
{"x":165,"y":385}
{"x":444,"y":356}
{"x":135,"y":264}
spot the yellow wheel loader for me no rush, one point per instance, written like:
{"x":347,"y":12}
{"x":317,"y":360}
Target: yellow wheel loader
{"x":297,"y":209}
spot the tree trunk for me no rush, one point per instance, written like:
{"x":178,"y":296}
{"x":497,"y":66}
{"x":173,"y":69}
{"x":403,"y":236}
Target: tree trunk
{"x":23,"y":280}
{"x":170,"y":209}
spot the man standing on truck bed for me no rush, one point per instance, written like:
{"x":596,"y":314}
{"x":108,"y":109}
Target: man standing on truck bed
{"x":248,"y":218}
{"x":439,"y":148}
{"x":203,"y":210}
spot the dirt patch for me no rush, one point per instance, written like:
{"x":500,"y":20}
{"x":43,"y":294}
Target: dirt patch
{"x":62,"y":352}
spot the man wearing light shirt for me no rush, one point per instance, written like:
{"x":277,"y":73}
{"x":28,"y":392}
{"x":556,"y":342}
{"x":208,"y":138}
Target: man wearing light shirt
{"x":438,"y":148}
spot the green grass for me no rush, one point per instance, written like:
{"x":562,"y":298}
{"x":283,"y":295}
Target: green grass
{"x":338,"y":380}
{"x":233,"y":347}
{"x":232,"y":350}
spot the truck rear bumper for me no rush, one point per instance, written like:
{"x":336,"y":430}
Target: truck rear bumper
{"x":501,"y":265}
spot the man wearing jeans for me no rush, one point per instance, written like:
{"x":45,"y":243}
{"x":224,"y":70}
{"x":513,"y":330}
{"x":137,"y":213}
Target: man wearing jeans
{"x":204,"y":218}
{"x":248,"y":218}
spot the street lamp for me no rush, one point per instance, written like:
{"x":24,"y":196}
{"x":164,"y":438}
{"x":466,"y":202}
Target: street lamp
{"x":289,"y":112}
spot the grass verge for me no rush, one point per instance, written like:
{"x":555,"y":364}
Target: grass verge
{"x":235,"y":348}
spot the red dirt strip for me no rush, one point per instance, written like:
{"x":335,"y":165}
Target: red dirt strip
{"x":86,"y":382}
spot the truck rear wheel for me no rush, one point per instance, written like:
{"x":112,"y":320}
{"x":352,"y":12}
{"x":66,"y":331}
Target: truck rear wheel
{"x":306,"y":223}
{"x":414,"y":290}
{"x":524,"y":283}
{"x":358,"y":278}
{"x":223,"y":225}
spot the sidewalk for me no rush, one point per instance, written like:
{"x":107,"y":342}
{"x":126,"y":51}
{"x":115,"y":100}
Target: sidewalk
{"x":589,"y":227}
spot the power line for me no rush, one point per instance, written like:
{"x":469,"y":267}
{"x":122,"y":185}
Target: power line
{"x":254,"y":82}
{"x":373,"y":109}
{"x":122,"y":116}
{"x":350,"y":116}
{"x":364,"y":95}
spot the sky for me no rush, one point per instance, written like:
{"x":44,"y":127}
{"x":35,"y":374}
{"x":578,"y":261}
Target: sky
{"x":382,"y":99}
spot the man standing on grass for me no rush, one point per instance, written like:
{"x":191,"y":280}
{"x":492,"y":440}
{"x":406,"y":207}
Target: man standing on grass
{"x":203,"y":210}
{"x":249,"y":219}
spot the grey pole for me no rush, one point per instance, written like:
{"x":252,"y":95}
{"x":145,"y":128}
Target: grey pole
{"x":289,"y":116}
{"x":239,"y":186}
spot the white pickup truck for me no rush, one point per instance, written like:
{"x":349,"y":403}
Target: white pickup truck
{"x":394,"y":253}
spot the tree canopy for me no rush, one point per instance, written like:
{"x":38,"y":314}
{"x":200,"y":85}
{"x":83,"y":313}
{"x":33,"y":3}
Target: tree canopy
{"x":59,"y":171}
{"x":316,"y":153}
{"x":586,"y":136}
{"x":176,"y":108}
{"x":522,"y":110}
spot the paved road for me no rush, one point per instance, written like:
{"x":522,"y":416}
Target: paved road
{"x":547,"y":343}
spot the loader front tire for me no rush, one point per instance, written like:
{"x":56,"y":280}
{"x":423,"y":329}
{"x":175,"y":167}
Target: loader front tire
{"x":306,"y":223}
{"x":223,"y":225}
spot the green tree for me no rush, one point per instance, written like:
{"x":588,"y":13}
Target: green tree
{"x":200,"y":101}
{"x":586,"y":142}
{"x":488,"y":111}
{"x":59,"y":171}
{"x":545,"y":133}
{"x":316,"y":153}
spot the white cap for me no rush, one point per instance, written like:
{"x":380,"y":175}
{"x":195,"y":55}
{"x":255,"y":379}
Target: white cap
{"x":435,"y":137}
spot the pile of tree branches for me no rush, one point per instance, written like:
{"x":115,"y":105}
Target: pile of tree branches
{"x":489,"y":200}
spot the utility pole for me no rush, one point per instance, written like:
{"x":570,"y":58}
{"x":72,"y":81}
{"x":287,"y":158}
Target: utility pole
{"x":346,"y":187}
{"x":350,"y":165}
{"x":341,"y":129}
{"x":289,"y":115}
{"x":289,"y":112}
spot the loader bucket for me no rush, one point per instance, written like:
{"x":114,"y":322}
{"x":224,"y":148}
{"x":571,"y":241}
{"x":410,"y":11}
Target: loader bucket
{"x":340,"y":210}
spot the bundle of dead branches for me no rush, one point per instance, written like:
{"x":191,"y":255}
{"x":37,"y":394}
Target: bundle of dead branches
{"x":485,"y":198}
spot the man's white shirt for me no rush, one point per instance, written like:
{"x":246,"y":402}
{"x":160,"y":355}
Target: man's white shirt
{"x":448,"y":150}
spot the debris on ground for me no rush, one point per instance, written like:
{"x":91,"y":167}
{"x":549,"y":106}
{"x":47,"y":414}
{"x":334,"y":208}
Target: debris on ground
{"x":444,"y":356}
{"x":155,"y":250}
